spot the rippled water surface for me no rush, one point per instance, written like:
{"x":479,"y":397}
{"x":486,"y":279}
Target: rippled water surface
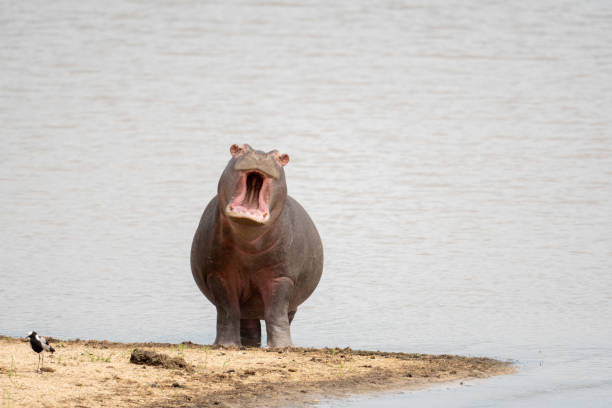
{"x":455,"y":156}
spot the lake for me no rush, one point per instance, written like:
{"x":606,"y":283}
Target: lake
{"x":456,"y":158}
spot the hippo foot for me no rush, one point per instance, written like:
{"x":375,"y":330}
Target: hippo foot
{"x":250,"y":332}
{"x":273,"y":345}
{"x":227,"y":343}
{"x":278,"y":338}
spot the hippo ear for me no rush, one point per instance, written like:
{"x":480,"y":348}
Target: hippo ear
{"x":283,"y":159}
{"x":235,"y":150}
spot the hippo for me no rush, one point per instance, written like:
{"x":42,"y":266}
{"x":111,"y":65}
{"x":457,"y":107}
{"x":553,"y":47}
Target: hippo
{"x":256,"y":254}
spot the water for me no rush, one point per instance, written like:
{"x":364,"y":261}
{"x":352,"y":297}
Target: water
{"x":455,"y":156}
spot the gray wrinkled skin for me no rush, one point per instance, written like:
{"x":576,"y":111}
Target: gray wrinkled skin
{"x":250,"y":269}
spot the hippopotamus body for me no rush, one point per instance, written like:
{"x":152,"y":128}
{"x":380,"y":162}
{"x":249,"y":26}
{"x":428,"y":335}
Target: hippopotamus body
{"x":256,"y":254}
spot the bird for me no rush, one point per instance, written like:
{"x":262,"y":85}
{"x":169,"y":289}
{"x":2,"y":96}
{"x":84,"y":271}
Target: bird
{"x":39,"y":344}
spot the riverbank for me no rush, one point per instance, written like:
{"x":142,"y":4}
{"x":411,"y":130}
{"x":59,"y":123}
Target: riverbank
{"x":90,"y":373}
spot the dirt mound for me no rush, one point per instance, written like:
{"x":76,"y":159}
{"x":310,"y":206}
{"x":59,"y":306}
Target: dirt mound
{"x":151,"y":358}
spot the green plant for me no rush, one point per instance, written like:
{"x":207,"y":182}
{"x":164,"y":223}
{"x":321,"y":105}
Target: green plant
{"x":98,"y":357}
{"x":205,"y":348}
{"x":8,"y":399}
{"x":224,"y":364}
{"x":343,"y":368}
{"x":181,"y":350}
{"x":90,"y":355}
{"x":12,"y":370}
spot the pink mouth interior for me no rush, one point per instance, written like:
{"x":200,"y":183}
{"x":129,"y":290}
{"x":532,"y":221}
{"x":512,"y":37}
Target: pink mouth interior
{"x":250,"y":199}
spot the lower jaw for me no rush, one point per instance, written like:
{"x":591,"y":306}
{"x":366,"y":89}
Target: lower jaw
{"x":246,"y":219}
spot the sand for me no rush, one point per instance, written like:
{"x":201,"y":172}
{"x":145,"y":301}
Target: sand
{"x":88,"y":373}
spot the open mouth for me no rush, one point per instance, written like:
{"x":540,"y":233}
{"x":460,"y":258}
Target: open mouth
{"x":250,"y":200}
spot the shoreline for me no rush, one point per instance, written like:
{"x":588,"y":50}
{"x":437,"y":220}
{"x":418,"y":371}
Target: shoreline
{"x":92,"y":373}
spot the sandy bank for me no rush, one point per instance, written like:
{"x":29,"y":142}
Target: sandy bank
{"x":99,"y":374}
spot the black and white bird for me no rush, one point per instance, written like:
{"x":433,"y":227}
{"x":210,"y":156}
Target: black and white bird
{"x":39,"y":344}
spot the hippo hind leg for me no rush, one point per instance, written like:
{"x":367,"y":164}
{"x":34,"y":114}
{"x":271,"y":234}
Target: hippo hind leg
{"x":250,"y":332}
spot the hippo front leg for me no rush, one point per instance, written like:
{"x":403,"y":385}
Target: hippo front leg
{"x":228,"y":328}
{"x":228,"y":313}
{"x":276,"y":295}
